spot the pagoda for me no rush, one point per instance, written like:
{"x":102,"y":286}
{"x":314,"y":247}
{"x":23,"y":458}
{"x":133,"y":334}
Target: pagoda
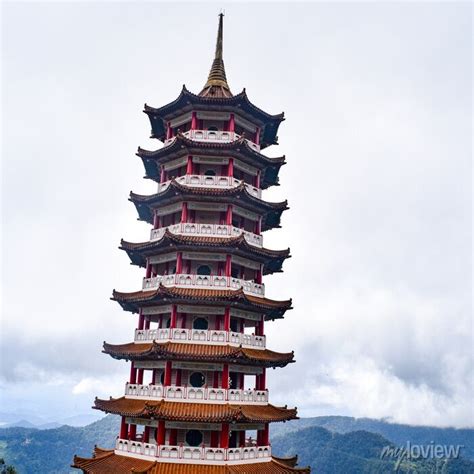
{"x":197,"y":399}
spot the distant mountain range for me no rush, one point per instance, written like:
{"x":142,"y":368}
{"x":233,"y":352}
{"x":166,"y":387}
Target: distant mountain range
{"x":331,"y":445}
{"x":9,"y":420}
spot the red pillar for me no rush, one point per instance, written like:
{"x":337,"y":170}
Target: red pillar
{"x":242,"y":439}
{"x":178,"y":379}
{"x":167,"y":377}
{"x":266,"y":435}
{"x":162,"y":174}
{"x":173,"y":437}
{"x":230,"y":167}
{"x":123,"y":428}
{"x":174,"y":316}
{"x":225,"y":376}
{"x":146,"y":434}
{"x":227,"y":319}
{"x":229,"y":215}
{"x":141,"y":320}
{"x":156,"y":221}
{"x":260,"y":329}
{"x":132,"y":434}
{"x":257,"y":179}
{"x":140,"y":376}
{"x":232,"y":123}
{"x":184,"y":212}
{"x":193,"y":121}
{"x":160,"y":432}
{"x":262,"y":380}
{"x":224,"y":443}
{"x":228,"y":265}
{"x":257,"y":136}
{"x":189,"y":165}
{"x":259,"y":276}
{"x":214,"y":439}
{"x":133,"y":373}
{"x":179,"y":262}
{"x":258,"y":226}
{"x":215,"y":382}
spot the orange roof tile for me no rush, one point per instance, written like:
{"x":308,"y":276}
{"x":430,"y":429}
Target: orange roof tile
{"x":198,"y":412}
{"x":107,"y":462}
{"x":211,"y":353}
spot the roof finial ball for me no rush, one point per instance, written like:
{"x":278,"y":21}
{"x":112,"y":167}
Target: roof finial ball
{"x":216,"y":85}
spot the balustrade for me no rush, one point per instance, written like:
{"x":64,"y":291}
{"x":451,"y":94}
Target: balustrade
{"x":197,"y":394}
{"x":196,"y":336}
{"x":183,"y":280}
{"x":209,"y":230}
{"x":191,"y":454}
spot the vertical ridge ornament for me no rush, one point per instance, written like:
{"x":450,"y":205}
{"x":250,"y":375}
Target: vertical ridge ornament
{"x":216,"y":85}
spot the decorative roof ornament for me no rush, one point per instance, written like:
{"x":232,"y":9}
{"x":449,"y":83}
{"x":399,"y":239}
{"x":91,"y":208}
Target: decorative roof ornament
{"x":216,"y":85}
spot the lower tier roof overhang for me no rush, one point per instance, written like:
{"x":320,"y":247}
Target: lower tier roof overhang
{"x":195,"y":412}
{"x":107,"y":462}
{"x":198,"y":352}
{"x":272,"y":260}
{"x":272,"y":309}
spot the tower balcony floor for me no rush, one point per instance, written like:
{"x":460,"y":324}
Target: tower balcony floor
{"x":193,"y":454}
{"x":196,"y":394}
{"x":183,"y":280}
{"x":201,"y":336}
{"x":208,"y":230}
{"x":213,"y":136}
{"x":211,"y":182}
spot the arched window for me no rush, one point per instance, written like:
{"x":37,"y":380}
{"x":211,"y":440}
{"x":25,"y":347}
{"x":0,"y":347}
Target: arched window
{"x":204,"y":270}
{"x":210,"y":173}
{"x":194,"y":438}
{"x":197,"y":379}
{"x":200,"y":323}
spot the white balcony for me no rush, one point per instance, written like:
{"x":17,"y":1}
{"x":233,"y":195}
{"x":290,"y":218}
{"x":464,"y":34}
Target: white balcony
{"x":215,"y":182}
{"x":182,"y":280}
{"x":193,"y":455}
{"x":214,"y":136}
{"x":208,"y":230}
{"x":201,"y":336}
{"x":196,"y":394}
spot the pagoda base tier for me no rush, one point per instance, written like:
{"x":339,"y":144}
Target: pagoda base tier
{"x":109,"y":462}
{"x":195,"y":412}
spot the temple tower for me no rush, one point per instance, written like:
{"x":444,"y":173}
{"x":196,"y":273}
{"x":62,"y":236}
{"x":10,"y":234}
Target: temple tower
{"x":197,"y":399}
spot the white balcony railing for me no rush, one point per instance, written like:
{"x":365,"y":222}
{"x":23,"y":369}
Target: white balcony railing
{"x":216,"y":182}
{"x":196,"y":394}
{"x":183,"y":280}
{"x":208,"y":230}
{"x":193,"y":455}
{"x":214,"y":136}
{"x":201,"y":336}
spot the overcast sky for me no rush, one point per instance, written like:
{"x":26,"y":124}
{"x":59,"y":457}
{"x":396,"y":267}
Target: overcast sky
{"x":377,"y":99}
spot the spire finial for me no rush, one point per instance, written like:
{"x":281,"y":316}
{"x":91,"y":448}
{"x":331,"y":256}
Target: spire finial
{"x":216,"y":84}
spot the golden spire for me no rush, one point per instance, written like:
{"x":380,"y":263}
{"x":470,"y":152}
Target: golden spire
{"x":216,"y":84}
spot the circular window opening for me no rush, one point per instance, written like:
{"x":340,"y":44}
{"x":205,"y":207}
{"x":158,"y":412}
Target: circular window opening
{"x":204,"y":270}
{"x":212,"y":129}
{"x":194,"y":438}
{"x":209,"y":173}
{"x":197,"y":379}
{"x":200,"y":323}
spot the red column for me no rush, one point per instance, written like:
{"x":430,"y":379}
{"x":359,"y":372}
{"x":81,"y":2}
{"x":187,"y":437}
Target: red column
{"x":214,"y":439}
{"x":147,"y":324}
{"x":227,"y":319}
{"x":260,"y":328}
{"x":229,"y":215}
{"x":179,"y":262}
{"x":215,"y":382}
{"x":225,"y":376}
{"x":146,"y":434}
{"x":224,"y":443}
{"x":173,"y":437}
{"x":154,"y":377}
{"x":189,"y":165}
{"x":230,"y":167}
{"x":258,"y":226}
{"x":156,"y":221}
{"x":193,"y":121}
{"x":232,"y":123}
{"x":262,"y":380}
{"x":167,"y":377}
{"x":123,"y":428}
{"x":257,"y":180}
{"x":133,"y":373}
{"x":162,"y":174}
{"x":140,"y":376}
{"x":174,"y":316}
{"x":132,"y":434}
{"x":266,"y":435}
{"x":160,"y":432}
{"x":141,"y":320}
{"x":259,"y":276}
{"x":184,"y":212}
{"x":228,"y":265}
{"x":183,"y":321}
{"x":148,"y":269}
{"x":178,"y":379}
{"x":257,"y":136}
{"x":242,"y":439}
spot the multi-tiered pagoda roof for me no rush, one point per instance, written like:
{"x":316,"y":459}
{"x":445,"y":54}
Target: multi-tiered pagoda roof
{"x":198,"y":360}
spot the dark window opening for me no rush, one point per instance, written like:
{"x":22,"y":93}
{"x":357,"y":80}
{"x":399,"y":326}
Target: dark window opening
{"x":194,"y":438}
{"x":197,"y":379}
{"x":200,"y":323}
{"x":204,"y":270}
